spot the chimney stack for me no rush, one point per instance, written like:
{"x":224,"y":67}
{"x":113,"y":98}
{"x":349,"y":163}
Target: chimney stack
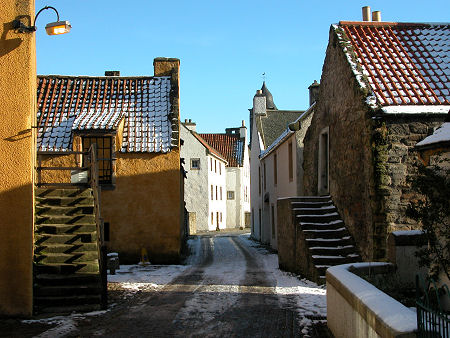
{"x":243,"y":130}
{"x":190,"y":125}
{"x":376,"y":16}
{"x":112,"y":73}
{"x":313,"y":92}
{"x":366,"y":13}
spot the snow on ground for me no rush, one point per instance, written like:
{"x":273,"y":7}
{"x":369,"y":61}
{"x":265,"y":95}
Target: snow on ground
{"x":309,"y":297}
{"x":222,"y":284}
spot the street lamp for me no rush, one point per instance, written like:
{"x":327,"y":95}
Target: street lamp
{"x":52,"y":28}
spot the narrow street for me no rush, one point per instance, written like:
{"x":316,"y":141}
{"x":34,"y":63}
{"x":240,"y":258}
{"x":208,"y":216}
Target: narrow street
{"x":231,"y":287}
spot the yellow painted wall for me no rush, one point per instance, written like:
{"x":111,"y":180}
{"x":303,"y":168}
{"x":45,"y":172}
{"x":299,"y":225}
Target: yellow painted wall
{"x":143,"y":209}
{"x":17,"y":153}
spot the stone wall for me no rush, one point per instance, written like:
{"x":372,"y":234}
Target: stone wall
{"x":396,"y":159}
{"x":371,"y":155}
{"x":341,"y":107}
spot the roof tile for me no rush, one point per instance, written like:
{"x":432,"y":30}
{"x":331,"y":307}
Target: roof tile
{"x":405,"y":64}
{"x":67,"y":104}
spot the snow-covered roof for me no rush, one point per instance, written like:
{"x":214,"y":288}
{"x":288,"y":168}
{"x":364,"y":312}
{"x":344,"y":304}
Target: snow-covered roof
{"x":405,"y":64}
{"x":441,"y":135}
{"x":68,"y":103}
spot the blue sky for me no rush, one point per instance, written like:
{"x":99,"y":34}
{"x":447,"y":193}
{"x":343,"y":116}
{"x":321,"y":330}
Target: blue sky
{"x":224,"y":46}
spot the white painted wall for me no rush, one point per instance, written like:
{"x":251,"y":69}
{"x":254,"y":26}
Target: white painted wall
{"x":259,"y":107}
{"x":195,"y":185}
{"x":217,"y":211}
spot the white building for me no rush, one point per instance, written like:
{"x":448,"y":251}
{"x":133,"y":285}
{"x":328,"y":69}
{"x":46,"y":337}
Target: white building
{"x":233,"y":146}
{"x":205,"y":185}
{"x":276,"y":160}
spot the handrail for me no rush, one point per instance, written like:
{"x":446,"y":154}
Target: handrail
{"x":94,"y":183}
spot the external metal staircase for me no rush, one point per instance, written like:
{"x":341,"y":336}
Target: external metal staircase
{"x":328,"y":241}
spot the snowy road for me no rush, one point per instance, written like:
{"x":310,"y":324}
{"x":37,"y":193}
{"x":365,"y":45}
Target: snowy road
{"x":231,"y":287}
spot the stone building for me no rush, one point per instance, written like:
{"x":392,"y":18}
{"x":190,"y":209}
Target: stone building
{"x":267,"y":126}
{"x":205,"y":184}
{"x":134,"y":121}
{"x":233,"y":147}
{"x":384,"y":87}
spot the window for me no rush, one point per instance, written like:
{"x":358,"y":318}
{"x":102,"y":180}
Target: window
{"x":291,"y":169}
{"x":273,"y":221}
{"x":220,"y":168}
{"x":210,"y":161}
{"x":195,"y":163}
{"x":275,"y":172}
{"x":212,"y":192}
{"x":215,"y":166}
{"x":216,"y":194}
{"x":212,"y":218}
{"x":220,"y":217}
{"x":230,"y":195}
{"x":104,"y":156}
{"x":259,"y":180}
{"x":264,"y":176}
{"x":220,"y":193}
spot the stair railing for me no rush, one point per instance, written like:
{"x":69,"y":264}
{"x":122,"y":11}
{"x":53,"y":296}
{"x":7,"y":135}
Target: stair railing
{"x":95,"y":186}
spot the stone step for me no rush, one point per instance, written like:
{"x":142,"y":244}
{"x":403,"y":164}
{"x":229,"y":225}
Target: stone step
{"x":326,"y":234}
{"x":67,"y":309}
{"x":82,"y":257}
{"x":66,"y":268}
{"x":331,"y":242}
{"x":68,"y":290}
{"x":54,"y":229}
{"x":65,"y":239}
{"x":66,"y":201}
{"x":315,"y":211}
{"x":329,"y":260}
{"x":46,"y":210}
{"x":312,"y":199}
{"x":44,"y":279}
{"x":312,"y":205}
{"x":69,"y":192}
{"x":314,"y":218}
{"x":322,"y":226}
{"x":332,"y":250}
{"x":66,"y":248}
{"x":44,"y":301}
{"x":80,"y":219}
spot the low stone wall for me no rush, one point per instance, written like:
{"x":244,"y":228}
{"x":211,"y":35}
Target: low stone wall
{"x":291,"y":242}
{"x":356,"y":308}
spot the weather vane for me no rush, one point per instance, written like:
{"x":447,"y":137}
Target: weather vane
{"x":264,"y":76}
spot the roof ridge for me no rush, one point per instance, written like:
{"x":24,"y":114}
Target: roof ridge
{"x":140,"y":77}
{"x":388,"y":23}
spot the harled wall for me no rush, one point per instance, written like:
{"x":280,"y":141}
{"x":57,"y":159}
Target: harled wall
{"x":17,"y":148}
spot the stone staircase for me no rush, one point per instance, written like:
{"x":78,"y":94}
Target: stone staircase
{"x":327,"y":239}
{"x":66,"y":260}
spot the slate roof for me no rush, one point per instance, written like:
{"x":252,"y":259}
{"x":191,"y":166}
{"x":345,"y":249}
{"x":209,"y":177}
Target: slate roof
{"x":229,"y":145}
{"x":67,"y":104}
{"x":274,"y":123}
{"x":406,"y":64}
{"x":286,"y":133}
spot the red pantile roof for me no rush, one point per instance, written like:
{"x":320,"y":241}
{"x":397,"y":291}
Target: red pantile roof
{"x":229,"y":145}
{"x":207,"y":146}
{"x":405,"y":63}
{"x":68,"y":103}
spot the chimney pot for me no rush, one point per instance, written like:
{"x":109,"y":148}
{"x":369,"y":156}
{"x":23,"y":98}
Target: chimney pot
{"x":259,"y":92}
{"x":366,"y":13}
{"x":376,"y":16}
